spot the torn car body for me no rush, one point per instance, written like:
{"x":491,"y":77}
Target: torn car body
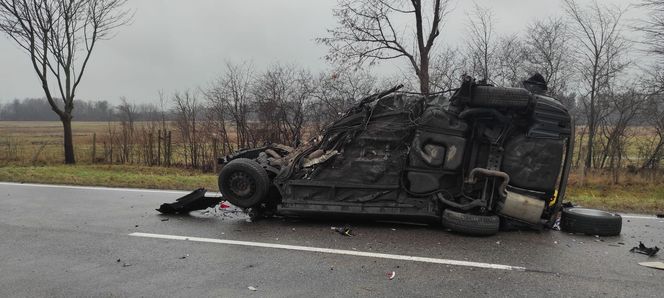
{"x":487,"y":152}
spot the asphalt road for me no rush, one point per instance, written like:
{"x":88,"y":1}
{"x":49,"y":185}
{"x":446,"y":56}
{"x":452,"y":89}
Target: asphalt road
{"x":73,"y":241}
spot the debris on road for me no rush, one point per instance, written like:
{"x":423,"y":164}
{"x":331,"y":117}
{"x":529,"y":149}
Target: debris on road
{"x":184,"y":257}
{"x":660,"y":215}
{"x":656,"y":265}
{"x":556,"y":225}
{"x":346,"y":231}
{"x":196,"y":200}
{"x":223,"y":205}
{"x":642,"y":249}
{"x":164,"y":219}
{"x":252,"y":288}
{"x":391,"y":275}
{"x":569,"y":204}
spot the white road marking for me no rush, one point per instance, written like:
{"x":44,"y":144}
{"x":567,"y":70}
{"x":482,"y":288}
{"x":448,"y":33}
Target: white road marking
{"x":640,"y":217}
{"x":103,"y":188}
{"x":334,"y":251}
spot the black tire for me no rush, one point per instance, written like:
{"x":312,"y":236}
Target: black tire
{"x":476,"y":225}
{"x":590,"y":222}
{"x":243,"y":183}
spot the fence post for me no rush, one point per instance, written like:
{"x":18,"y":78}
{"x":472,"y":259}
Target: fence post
{"x":159,"y":147}
{"x":168,"y":160}
{"x":214,"y":155}
{"x":94,"y":147}
{"x":150,"y":156}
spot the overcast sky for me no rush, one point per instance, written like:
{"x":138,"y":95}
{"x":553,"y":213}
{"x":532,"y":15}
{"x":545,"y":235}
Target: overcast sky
{"x":174,"y":45}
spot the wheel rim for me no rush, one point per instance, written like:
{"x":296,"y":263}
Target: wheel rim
{"x":242,"y":185}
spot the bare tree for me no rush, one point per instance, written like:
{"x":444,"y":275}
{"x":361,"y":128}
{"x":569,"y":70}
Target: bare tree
{"x":337,"y":92}
{"x":625,"y":107}
{"x":229,"y":97}
{"x":59,"y":36}
{"x":653,"y":26}
{"x":447,"y":67}
{"x":186,"y":112}
{"x":282,"y":94}
{"x":481,"y":42}
{"x":509,"y":62}
{"x":371,"y":30}
{"x":600,"y":50}
{"x":653,"y":150}
{"x":547,"y":51}
{"x":127,"y":114}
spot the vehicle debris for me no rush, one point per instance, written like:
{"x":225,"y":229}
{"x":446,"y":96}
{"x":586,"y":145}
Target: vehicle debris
{"x":482,"y":158}
{"x":660,"y":215}
{"x":346,"y":231}
{"x":642,"y":249}
{"x":196,"y":200}
{"x":251,"y":288}
{"x":556,"y":224}
{"x":656,"y":265}
{"x":569,"y":205}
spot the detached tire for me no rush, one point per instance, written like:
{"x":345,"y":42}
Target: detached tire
{"x":243,"y":183}
{"x":476,"y":225}
{"x":590,"y":222}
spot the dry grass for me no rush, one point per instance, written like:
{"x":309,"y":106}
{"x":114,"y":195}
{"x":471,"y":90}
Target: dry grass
{"x":111,"y":176}
{"x":636,"y":192}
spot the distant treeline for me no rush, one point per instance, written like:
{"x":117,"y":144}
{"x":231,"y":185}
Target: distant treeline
{"x":38,"y":109}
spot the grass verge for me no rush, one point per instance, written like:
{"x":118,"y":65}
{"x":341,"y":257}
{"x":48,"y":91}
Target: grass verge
{"x":111,"y":176}
{"x":632,"y":196}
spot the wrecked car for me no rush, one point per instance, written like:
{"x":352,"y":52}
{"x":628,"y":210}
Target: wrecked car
{"x":483,"y":158}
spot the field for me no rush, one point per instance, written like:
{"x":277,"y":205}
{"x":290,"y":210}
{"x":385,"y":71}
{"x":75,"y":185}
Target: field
{"x":40,"y":142}
{"x":32,"y":152}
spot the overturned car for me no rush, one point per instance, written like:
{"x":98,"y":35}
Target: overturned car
{"x":484,"y":158}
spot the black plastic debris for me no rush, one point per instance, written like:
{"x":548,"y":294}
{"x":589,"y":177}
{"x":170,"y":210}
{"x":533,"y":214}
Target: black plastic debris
{"x":196,"y":200}
{"x":556,"y":225}
{"x":660,"y":215}
{"x":568,"y":205}
{"x":346,"y":231}
{"x":642,"y":249}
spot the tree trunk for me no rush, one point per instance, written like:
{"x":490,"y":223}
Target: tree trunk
{"x":589,"y":149}
{"x":68,"y":140}
{"x":424,"y":77}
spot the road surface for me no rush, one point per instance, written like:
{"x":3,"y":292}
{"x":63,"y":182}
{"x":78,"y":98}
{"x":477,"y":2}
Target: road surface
{"x":62,"y":241}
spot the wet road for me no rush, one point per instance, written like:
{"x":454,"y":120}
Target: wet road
{"x":74,"y":241}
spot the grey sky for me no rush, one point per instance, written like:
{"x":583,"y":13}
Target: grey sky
{"x":175,"y":45}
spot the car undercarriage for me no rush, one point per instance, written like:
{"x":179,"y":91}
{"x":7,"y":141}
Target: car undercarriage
{"x":484,"y":154}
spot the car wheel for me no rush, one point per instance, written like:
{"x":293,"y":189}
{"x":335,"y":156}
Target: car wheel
{"x":477,"y":225}
{"x":590,"y":221}
{"x":243,"y":183}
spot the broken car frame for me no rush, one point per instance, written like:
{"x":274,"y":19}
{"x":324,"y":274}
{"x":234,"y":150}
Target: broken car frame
{"x":487,"y":156}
